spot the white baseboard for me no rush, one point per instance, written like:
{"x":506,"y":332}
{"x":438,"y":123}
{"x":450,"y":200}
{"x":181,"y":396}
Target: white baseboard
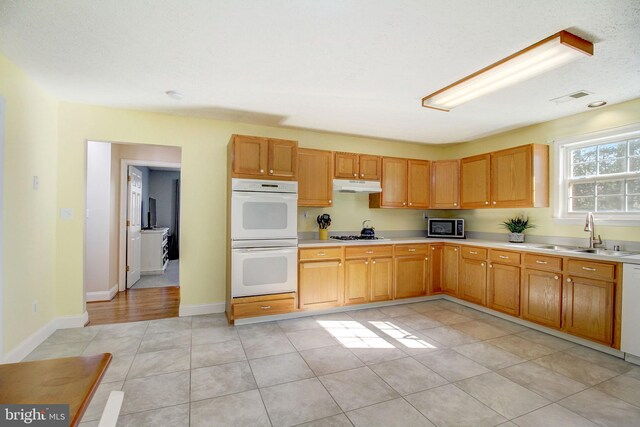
{"x":102,"y":295}
{"x":198,"y":309}
{"x":29,"y":344}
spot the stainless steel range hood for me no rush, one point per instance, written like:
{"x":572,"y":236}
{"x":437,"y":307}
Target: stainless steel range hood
{"x":356,"y":186}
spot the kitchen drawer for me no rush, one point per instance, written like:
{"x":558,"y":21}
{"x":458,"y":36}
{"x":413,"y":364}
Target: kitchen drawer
{"x":263,"y":306}
{"x":505,"y":257}
{"x":417,"y":249}
{"x":473,"y":253}
{"x":591,"y":269}
{"x":543,"y":262}
{"x":368,"y":251}
{"x":320,"y":253}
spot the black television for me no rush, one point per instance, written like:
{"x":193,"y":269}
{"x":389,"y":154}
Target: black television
{"x":152,"y":219}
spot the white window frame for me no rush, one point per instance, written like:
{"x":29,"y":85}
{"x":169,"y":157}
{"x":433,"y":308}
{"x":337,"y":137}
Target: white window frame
{"x":562,"y":164}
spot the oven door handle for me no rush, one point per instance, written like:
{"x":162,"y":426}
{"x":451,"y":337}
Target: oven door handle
{"x":270,"y":250}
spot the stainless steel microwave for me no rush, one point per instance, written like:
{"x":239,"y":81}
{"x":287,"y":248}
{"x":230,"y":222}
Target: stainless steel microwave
{"x":452,"y":228}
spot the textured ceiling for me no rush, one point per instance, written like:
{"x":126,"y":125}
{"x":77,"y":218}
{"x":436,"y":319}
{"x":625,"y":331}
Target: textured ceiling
{"x":349,"y":66}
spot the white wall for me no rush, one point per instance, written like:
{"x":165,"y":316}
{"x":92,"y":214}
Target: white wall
{"x":97,"y":237}
{"x":162,"y":188}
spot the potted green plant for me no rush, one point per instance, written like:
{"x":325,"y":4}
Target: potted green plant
{"x":516,"y":227}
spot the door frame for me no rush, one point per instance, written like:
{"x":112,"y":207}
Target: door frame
{"x":122,"y":228}
{"x":2,"y":131}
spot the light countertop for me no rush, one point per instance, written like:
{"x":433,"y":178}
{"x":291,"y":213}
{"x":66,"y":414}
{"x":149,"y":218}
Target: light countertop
{"x":524,"y":247}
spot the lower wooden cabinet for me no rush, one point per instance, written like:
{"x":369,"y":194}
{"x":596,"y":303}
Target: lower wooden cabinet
{"x":503,"y":292}
{"x":356,"y":281}
{"x":542,"y":297}
{"x":450,"y":269}
{"x":381,"y":279}
{"x":411,"y":273}
{"x":589,"y":308}
{"x":435,"y":268}
{"x":320,"y":284}
{"x":473,"y":280}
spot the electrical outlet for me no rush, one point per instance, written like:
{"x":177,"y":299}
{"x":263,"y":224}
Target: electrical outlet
{"x":425,"y":215}
{"x":34,"y":306}
{"x":36,"y":182}
{"x":305,"y":215}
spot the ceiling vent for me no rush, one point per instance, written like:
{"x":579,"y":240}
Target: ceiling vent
{"x":572,"y":96}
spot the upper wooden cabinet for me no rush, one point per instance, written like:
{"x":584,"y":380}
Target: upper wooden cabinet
{"x":418,"y":172}
{"x":405,"y":184}
{"x":475,"y":190}
{"x":357,"y":166}
{"x":256,"y":157}
{"x":445,"y":184}
{"x":394,"y":185}
{"x":315,"y":177}
{"x":520,"y":177}
{"x":513,"y":178}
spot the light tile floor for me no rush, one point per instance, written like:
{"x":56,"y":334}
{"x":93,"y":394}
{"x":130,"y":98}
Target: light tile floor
{"x":420,"y":364}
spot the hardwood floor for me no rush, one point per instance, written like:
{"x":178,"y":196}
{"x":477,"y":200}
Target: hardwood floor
{"x":134,"y":305}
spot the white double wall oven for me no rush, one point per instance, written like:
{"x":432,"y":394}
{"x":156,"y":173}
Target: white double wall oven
{"x":264,"y":237}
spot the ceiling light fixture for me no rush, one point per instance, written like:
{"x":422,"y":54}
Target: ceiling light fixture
{"x":597,"y":104}
{"x":552,"y":52}
{"x":173,"y":94}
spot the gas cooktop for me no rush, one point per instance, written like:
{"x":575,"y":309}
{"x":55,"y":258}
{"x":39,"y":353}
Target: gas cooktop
{"x":354,"y":237}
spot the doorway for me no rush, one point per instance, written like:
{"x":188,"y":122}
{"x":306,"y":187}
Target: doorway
{"x":132,"y":269}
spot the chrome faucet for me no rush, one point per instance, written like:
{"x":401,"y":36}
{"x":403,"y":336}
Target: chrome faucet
{"x":591,"y":229}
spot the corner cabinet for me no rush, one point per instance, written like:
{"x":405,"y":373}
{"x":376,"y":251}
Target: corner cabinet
{"x":315,"y":178}
{"x":263,"y":158}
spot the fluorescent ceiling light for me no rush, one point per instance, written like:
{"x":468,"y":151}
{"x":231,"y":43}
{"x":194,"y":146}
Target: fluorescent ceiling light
{"x":539,"y":58}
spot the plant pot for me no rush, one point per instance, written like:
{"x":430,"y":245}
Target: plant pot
{"x":324,"y":233}
{"x":516,"y":237}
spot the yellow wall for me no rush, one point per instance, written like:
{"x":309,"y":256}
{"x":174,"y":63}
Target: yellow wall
{"x":544,"y":133}
{"x":29,"y":216}
{"x":203,"y":210}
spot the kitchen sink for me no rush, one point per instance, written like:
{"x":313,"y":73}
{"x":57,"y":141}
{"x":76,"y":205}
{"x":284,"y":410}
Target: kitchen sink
{"x":599,"y":251}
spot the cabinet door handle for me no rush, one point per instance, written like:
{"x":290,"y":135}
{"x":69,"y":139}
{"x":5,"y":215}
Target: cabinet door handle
{"x":542,"y":262}
{"x":369,"y":252}
{"x":411,"y":249}
{"x":588,"y":268}
{"x":355,"y":174}
{"x":362,"y":175}
{"x":555,"y":277}
{"x":455,"y":249}
{"x":271,"y":171}
{"x":494,"y":202}
{"x":569,"y":279}
{"x":321,"y":254}
{"x":366,"y":262}
{"x":455,"y":204}
{"x":261,"y":170}
{"x":330,"y":201}
{"x":433,"y":249}
{"x":490,"y":265}
{"x":486,"y":203}
{"x":410,"y":204}
{"x":503,"y":257}
{"x":339,"y":264}
{"x":404,"y":203}
{"x":265,"y":307}
{"x":373,"y":262}
{"x":482,"y":265}
{"x":473,"y":252}
{"x":426,"y":258}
